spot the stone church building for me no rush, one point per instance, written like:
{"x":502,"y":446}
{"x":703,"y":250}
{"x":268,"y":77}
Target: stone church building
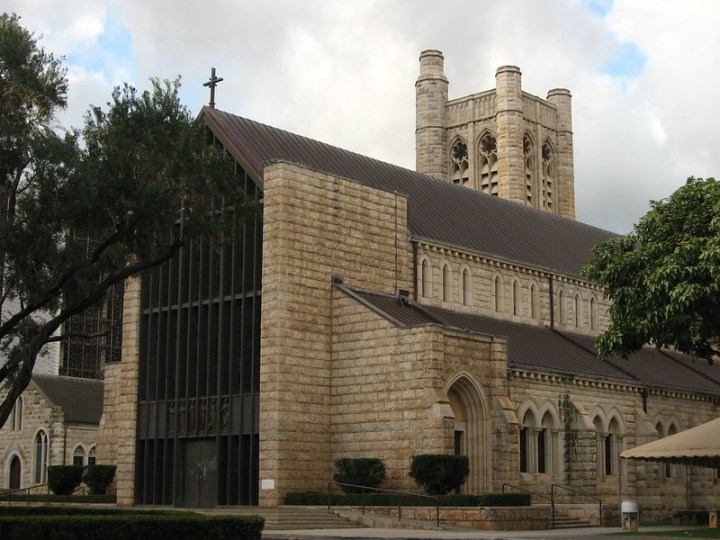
{"x":375,"y":311}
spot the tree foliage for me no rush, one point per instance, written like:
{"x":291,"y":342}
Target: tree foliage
{"x":664,"y":278}
{"x":136,"y":182}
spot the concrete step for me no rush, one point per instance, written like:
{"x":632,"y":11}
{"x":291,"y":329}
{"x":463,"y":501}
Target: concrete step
{"x":563,"y":521}
{"x":286,"y":518}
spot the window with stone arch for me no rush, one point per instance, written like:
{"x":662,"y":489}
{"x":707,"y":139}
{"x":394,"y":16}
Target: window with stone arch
{"x":41,"y":457}
{"x":15,"y":476}
{"x":79,"y":455}
{"x":16,"y":415}
{"x":487,"y":164}
{"x":561,"y":307}
{"x":534,"y":302}
{"x":593,"y":313}
{"x":669,"y":470}
{"x":466,"y":287}
{"x":538,"y":444}
{"x":497,"y":293}
{"x":91,"y":456}
{"x":446,"y":283}
{"x":529,"y":158}
{"x":459,"y":168}
{"x":608,"y":446}
{"x":528,"y":442}
{"x":578,"y":313}
{"x":516,"y":297}
{"x":425,"y":279}
{"x":548,"y":175}
{"x":547,"y":445}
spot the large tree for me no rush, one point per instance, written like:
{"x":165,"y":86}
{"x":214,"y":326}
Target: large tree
{"x":137,"y":181}
{"x":664,"y":278}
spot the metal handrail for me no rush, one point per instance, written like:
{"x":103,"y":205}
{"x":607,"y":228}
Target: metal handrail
{"x":25,"y":490}
{"x":362,"y":498}
{"x":532,"y":493}
{"x":577,"y":492}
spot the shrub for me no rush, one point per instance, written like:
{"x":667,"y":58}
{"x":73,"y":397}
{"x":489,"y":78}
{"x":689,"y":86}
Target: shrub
{"x":439,"y":474}
{"x":98,"y":478}
{"x":316,"y":498}
{"x":64,"y":479}
{"x":517,"y":498}
{"x":123,"y":525}
{"x":368,"y":472}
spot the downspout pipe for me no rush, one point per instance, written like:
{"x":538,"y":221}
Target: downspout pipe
{"x":552,"y":303}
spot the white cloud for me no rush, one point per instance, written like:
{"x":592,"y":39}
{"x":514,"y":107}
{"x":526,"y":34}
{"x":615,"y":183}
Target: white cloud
{"x":344,"y":72}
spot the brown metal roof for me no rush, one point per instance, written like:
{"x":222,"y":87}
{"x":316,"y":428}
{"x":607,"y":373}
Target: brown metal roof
{"x":438,"y":210}
{"x":552,"y":350}
{"x":80,"y":399}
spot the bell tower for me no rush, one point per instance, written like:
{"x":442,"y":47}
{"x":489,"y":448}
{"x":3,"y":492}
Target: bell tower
{"x":503,"y":141}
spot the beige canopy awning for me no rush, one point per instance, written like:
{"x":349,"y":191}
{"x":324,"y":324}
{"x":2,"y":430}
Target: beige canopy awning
{"x":695,"y":446}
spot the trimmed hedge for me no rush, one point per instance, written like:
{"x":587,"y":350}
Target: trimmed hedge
{"x":98,"y":478}
{"x":316,"y":498}
{"x":64,"y":479}
{"x":368,"y":472}
{"x":439,"y":474}
{"x":148,"y":526}
{"x":80,"y":499}
{"x":79,"y":510}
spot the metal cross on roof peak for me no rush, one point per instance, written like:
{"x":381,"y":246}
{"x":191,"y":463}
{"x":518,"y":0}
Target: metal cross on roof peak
{"x":212,"y":83}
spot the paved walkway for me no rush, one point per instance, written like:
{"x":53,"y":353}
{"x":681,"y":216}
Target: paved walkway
{"x":374,"y":533}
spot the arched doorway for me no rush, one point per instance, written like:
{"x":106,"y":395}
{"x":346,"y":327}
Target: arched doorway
{"x":470,"y":430}
{"x":15,"y":473}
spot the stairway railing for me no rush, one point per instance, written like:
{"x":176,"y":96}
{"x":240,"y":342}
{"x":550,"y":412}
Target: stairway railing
{"x":576,"y":492}
{"x":399,"y":493}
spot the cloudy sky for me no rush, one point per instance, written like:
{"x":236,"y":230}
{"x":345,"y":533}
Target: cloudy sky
{"x":643,"y":73}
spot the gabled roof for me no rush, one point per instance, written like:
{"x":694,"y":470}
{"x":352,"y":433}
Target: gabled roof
{"x":438,"y":210}
{"x":80,"y":399}
{"x":551,"y":350}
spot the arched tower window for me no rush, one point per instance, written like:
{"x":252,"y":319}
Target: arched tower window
{"x":529,"y":156}
{"x":548,"y":175}
{"x":561,"y":307}
{"x":459,"y":172}
{"x":446,"y":283}
{"x":424,"y":279}
{"x":466,"y":293}
{"x":16,"y":415}
{"x":487,"y":162}
{"x":593,"y":314}
{"x":516,"y":297}
{"x":578,"y":318}
{"x":41,"y":457}
{"x":497,"y":294}
{"x":533,"y":302}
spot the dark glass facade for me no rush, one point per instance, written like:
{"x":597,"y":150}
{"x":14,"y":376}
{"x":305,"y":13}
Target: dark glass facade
{"x":199,"y":371}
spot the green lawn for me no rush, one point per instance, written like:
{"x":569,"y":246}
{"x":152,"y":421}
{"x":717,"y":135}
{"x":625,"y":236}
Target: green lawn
{"x":677,"y":533}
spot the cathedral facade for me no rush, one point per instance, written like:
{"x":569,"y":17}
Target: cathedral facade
{"x":374,"y":311}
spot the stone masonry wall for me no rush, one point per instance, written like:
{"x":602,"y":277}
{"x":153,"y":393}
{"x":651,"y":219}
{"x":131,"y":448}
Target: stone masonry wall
{"x":480,"y":299}
{"x":389,"y":397}
{"x":117,"y":439}
{"x":589,"y":400}
{"x":386,"y":391}
{"x":38,"y":415}
{"x":314,"y":226}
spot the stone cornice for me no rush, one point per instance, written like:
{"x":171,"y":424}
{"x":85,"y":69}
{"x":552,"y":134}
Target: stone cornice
{"x":607,"y":384}
{"x":462,"y":253}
